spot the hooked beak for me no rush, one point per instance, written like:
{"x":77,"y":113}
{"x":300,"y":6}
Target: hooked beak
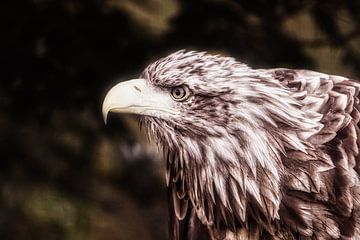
{"x":138,"y":97}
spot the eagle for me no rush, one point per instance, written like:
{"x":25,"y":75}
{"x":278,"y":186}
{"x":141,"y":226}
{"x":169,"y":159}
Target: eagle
{"x":250,"y":153}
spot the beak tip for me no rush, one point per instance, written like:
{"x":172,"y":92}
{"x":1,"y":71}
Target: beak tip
{"x":105,"y":116}
{"x":105,"y":111}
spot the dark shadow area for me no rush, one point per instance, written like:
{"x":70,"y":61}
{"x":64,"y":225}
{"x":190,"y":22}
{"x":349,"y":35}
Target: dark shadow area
{"x":63,"y":173}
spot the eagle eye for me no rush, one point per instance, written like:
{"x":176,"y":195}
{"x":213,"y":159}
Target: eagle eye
{"x":180,"y":93}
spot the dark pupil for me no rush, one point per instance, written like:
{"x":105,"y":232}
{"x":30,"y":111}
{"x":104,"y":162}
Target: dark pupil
{"x":178,"y":92}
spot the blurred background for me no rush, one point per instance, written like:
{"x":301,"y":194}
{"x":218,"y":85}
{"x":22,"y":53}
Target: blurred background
{"x":63,"y":173}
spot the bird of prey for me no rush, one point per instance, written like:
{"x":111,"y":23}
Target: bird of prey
{"x":250,"y":153}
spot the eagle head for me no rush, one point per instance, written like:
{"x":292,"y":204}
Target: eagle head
{"x":223,"y":128}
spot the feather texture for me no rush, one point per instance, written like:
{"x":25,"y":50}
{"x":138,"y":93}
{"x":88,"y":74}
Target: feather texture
{"x":258,"y":153}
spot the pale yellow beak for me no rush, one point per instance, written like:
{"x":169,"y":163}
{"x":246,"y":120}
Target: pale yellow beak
{"x":138,"y":97}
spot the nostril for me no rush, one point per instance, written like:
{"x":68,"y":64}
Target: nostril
{"x":138,"y":89}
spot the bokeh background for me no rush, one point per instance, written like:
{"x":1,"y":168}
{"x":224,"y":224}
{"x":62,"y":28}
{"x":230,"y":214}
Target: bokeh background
{"x":63,"y":173}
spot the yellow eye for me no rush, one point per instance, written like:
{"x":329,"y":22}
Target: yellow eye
{"x":180,"y":93}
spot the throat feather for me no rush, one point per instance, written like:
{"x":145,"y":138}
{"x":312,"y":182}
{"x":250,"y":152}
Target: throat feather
{"x":225,"y":172}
